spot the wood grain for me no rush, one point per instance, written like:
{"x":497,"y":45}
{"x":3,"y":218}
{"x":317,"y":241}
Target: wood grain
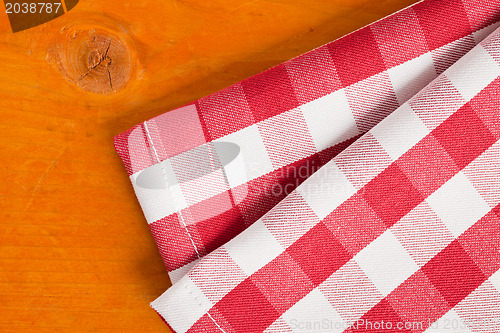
{"x":76,"y":254}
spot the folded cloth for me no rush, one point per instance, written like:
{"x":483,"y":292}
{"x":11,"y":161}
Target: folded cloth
{"x":206,"y":171}
{"x":398,"y":232}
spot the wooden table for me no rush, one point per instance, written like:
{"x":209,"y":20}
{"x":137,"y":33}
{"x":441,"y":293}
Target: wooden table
{"x":76,"y":254}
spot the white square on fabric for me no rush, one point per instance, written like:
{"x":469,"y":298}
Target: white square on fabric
{"x":485,"y":299}
{"x":350,"y":292}
{"x":253,"y":152}
{"x":450,"y":322}
{"x":287,"y":138}
{"x":422,"y":233}
{"x":326,"y":189}
{"x":330,"y":120}
{"x":314,"y":313}
{"x":397,"y":140}
{"x":386,"y":263}
{"x":190,"y":304}
{"x":458,"y":204}
{"x":411,"y":76}
{"x":488,"y":187}
{"x":156,"y":203}
{"x":254,"y":248}
{"x":473,"y":72}
{"x":495,"y":280}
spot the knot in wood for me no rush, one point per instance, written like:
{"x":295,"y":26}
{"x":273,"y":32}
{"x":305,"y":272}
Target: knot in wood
{"x":96,"y":60}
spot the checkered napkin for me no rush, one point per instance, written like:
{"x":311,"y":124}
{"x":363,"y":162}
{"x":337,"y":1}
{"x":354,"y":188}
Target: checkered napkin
{"x":205,"y":172}
{"x":277,"y":128}
{"x":401,"y":229}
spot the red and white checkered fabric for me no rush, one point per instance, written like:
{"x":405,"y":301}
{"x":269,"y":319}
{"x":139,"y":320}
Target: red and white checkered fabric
{"x":285,"y":123}
{"x":414,"y":239}
{"x":400,"y":228}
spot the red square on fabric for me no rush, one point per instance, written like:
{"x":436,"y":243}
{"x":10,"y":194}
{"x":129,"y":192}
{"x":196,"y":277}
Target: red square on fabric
{"x":225,"y":112}
{"x":407,"y":44}
{"x":176,"y":131}
{"x":464,"y":136}
{"x":313,"y":75}
{"x":169,"y":230}
{"x":262,"y":194}
{"x":429,"y":172}
{"x":270,"y":93}
{"x":282,"y":276}
{"x":221,"y":228}
{"x":355,"y":224}
{"x":443,"y":21}
{"x":380,"y":318}
{"x":246,"y":301}
{"x":486,"y":109}
{"x":356,"y":57}
{"x":482,"y":13}
{"x":318,"y":253}
{"x":391,"y":195}
{"x":482,"y":243}
{"x":417,"y":300}
{"x":453,"y":273}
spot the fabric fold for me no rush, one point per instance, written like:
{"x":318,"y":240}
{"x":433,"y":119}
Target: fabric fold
{"x":205,"y":172}
{"x":401,"y":228}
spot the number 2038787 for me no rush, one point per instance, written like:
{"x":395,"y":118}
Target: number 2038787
{"x":32,"y":7}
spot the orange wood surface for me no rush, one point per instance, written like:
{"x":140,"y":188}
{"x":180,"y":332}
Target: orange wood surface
{"x":76,"y":254}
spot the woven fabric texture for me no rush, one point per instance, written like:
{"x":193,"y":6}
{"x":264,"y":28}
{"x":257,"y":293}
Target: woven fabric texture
{"x":354,"y":186}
